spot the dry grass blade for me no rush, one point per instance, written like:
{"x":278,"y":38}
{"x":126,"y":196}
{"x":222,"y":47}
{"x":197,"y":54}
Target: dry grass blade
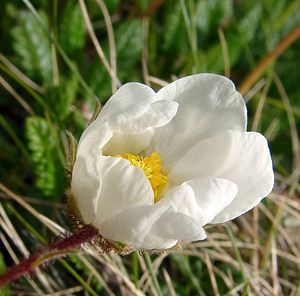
{"x":69,"y":291}
{"x":155,"y":264}
{"x":292,"y":122}
{"x":253,"y":91}
{"x":20,"y":74}
{"x":115,"y":270}
{"x":276,"y":283}
{"x":55,"y":228}
{"x":66,"y":292}
{"x":275,"y":227}
{"x":21,"y":101}
{"x":157,"y":81}
{"x":272,"y":56}
{"x":145,"y":55}
{"x":224,"y":52}
{"x":111,"y":40}
{"x":169,"y":282}
{"x":97,"y":45}
{"x":96,"y":274}
{"x":255,"y":214}
{"x":10,"y":231}
{"x":292,"y":247}
{"x":211,"y":275}
{"x":260,"y":105}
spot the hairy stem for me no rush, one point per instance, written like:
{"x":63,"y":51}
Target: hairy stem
{"x":53,"y":250}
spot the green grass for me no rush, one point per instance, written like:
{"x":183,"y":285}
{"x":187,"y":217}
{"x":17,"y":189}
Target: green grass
{"x":51,"y":72}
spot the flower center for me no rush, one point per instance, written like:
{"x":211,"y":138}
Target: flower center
{"x":152,"y":167}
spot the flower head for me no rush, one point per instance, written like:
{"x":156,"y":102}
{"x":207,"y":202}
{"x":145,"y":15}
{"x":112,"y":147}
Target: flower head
{"x":154,"y":168}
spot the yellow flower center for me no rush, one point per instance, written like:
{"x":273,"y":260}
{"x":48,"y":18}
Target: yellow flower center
{"x":152,"y":167}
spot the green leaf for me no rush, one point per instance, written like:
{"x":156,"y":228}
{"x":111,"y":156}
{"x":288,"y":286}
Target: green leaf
{"x":112,"y":5}
{"x":4,"y":290}
{"x":32,"y":46}
{"x":214,"y":56}
{"x":61,"y":97}
{"x":172,"y":25}
{"x":129,"y":37}
{"x":129,"y":44}
{"x":78,"y":122}
{"x":39,"y":3}
{"x":210,"y":13}
{"x":72,"y":28}
{"x":99,"y":80}
{"x":43,"y":147}
{"x":250,"y":23}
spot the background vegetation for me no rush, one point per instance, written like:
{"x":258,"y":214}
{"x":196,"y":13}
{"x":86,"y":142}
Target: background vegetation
{"x":58,"y":57}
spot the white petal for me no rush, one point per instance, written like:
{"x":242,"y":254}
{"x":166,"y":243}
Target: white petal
{"x":208,"y":105}
{"x":126,"y":96}
{"x":121,"y":143}
{"x":201,"y":198}
{"x":179,"y":226}
{"x":135,"y":107}
{"x":102,"y":186}
{"x":133,"y":225}
{"x":95,"y":136}
{"x":86,"y":184}
{"x":122,"y":186}
{"x":100,"y":131}
{"x":243,"y":158}
{"x":136,"y":119}
{"x":151,"y":227}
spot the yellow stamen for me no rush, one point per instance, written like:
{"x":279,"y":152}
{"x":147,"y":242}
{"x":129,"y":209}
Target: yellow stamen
{"x":152,"y":167}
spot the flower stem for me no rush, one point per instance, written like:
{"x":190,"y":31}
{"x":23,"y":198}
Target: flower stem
{"x":53,"y":250}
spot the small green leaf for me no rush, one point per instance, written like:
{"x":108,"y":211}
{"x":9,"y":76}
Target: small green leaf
{"x":209,"y":14}
{"x":72,"y":28}
{"x":172,"y":25}
{"x":249,"y":24}
{"x":61,"y":97}
{"x":71,"y":153}
{"x":42,"y":145}
{"x":99,"y":81}
{"x":32,"y":46}
{"x":112,"y":5}
{"x":4,"y":290}
{"x":129,"y":44}
{"x":214,"y":55}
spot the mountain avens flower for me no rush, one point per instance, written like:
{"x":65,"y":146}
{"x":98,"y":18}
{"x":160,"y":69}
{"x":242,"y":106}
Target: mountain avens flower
{"x":154,"y":168}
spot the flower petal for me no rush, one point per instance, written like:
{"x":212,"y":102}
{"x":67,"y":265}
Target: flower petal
{"x":177,"y":226}
{"x":243,"y":158}
{"x":202,"y":198}
{"x":135,"y":107}
{"x":122,"y":143}
{"x":102,"y":186}
{"x":86,"y":174}
{"x":127,"y":96}
{"x":208,"y":105}
{"x":122,"y":186}
{"x":151,"y":227}
{"x":133,"y":225}
{"x":95,"y":137}
{"x":136,"y":119}
{"x":86,"y":184}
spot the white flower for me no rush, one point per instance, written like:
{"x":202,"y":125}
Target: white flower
{"x":154,"y":168}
